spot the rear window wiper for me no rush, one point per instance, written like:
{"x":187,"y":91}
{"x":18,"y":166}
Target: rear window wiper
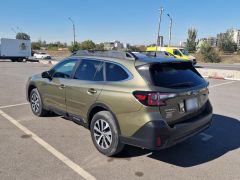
{"x":183,"y":84}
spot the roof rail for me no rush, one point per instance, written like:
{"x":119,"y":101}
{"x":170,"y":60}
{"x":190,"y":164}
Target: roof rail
{"x":111,"y":54}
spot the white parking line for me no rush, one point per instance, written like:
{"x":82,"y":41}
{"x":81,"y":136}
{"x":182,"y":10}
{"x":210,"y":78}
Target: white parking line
{"x":13,"y":105}
{"x":49,"y":148}
{"x":216,"y":85}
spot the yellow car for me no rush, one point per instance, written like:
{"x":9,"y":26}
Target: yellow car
{"x":179,"y":53}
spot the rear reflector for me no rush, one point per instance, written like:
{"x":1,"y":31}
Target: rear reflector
{"x":158,"y":141}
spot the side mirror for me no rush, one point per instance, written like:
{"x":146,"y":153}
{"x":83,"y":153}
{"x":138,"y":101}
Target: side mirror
{"x":47,"y":75}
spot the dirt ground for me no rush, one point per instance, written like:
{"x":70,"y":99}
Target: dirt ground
{"x":226,"y":59}
{"x":230,"y":59}
{"x":59,"y":54}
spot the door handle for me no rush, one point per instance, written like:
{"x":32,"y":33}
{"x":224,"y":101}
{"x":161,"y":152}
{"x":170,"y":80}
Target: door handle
{"x":62,"y":86}
{"x":91,"y":91}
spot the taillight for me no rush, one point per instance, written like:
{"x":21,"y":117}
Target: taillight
{"x":153,"y":98}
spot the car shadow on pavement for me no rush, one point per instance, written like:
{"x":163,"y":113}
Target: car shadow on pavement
{"x":223,"y":136}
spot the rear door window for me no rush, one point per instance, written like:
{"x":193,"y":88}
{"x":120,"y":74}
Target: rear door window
{"x":115,"y":72}
{"x":175,"y":75}
{"x":89,"y":70}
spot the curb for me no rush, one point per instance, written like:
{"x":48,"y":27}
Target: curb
{"x":50,"y":62}
{"x":221,"y":74}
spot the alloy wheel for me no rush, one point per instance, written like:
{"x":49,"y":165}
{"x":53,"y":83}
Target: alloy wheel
{"x":35,"y":103}
{"x":102,"y":134}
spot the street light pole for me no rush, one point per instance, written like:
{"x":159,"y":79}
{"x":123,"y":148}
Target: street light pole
{"x":170,"y":31}
{"x":74,"y":34}
{"x":159,"y":24}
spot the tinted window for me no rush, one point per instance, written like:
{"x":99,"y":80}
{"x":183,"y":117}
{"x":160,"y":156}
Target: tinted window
{"x":185,"y":52}
{"x":175,"y":75}
{"x":115,"y":72}
{"x":176,"y":52}
{"x":90,"y":70}
{"x":64,"y":69}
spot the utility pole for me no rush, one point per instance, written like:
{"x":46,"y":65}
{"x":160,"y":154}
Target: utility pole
{"x":19,"y":29}
{"x":74,"y":34}
{"x":159,"y":25}
{"x":13,"y":30}
{"x":170,"y":31}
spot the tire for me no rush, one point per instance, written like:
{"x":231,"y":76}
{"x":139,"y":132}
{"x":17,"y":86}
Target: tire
{"x":107,"y":142}
{"x":20,"y":60}
{"x":36,"y":103}
{"x":13,"y":60}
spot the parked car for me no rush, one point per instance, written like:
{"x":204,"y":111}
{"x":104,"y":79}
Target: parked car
{"x":41,"y":55}
{"x":179,"y":53}
{"x":125,"y":99}
{"x":158,"y":54}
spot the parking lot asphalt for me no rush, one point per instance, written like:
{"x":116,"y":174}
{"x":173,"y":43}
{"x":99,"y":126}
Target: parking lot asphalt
{"x":56,"y":148}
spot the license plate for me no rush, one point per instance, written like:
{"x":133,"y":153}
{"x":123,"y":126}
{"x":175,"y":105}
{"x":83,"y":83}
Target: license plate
{"x":191,"y":104}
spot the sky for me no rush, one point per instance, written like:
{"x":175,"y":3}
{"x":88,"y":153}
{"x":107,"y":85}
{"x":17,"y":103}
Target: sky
{"x":130,"y":21}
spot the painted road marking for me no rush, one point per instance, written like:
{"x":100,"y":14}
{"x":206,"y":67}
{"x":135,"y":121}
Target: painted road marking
{"x":75,"y":167}
{"x":205,"y":137}
{"x":216,"y":85}
{"x":13,"y":105}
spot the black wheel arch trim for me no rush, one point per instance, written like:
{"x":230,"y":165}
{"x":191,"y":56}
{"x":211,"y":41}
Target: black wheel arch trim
{"x":104,"y":107}
{"x":28,"y":92}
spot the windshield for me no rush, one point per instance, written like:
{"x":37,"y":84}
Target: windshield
{"x":185,"y":52}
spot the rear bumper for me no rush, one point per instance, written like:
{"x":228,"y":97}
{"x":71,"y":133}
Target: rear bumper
{"x":147,"y":136}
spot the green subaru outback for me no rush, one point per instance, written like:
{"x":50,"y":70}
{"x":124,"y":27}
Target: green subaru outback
{"x":125,"y":98}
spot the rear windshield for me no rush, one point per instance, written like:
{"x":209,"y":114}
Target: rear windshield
{"x":175,"y":75}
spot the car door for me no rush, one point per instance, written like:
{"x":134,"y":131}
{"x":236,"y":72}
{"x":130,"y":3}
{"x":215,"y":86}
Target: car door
{"x":83,"y":90}
{"x":54,"y":89}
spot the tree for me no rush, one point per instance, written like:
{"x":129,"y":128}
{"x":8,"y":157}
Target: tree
{"x":191,"y":41}
{"x":87,"y":45}
{"x":36,"y":45}
{"x":74,"y":47}
{"x":99,"y":47}
{"x":133,"y":49}
{"x":22,"y":36}
{"x":208,"y":53}
{"x":225,"y":42}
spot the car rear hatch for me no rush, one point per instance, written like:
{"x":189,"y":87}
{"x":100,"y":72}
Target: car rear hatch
{"x":178,"y":89}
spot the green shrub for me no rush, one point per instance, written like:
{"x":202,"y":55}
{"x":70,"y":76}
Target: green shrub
{"x":225,"y":43}
{"x":208,"y":54}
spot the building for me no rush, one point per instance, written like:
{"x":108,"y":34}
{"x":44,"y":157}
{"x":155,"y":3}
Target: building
{"x":108,"y":45}
{"x":126,"y":45}
{"x":210,"y":40}
{"x":160,"y":41}
{"x":113,"y":45}
{"x":183,"y":43}
{"x":235,"y":35}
